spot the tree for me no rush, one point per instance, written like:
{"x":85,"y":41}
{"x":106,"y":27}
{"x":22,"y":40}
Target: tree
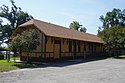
{"x":83,"y":29}
{"x":112,"y":31}
{"x":114,"y":18}
{"x":114,"y":37}
{"x":1,"y":23}
{"x":27,"y":41}
{"x":6,"y":31}
{"x":76,"y":26}
{"x":15,"y":16}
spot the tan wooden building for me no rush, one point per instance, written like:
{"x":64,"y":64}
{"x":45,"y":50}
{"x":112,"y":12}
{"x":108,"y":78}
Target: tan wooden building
{"x":58,"y":42}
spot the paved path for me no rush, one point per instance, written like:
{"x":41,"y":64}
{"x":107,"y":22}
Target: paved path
{"x":101,"y":71}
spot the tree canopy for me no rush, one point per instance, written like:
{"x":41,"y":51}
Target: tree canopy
{"x":112,"y":31}
{"x":116,"y":17}
{"x":25,"y":42}
{"x":15,"y":16}
{"x":77,"y":26}
{"x":114,"y":37}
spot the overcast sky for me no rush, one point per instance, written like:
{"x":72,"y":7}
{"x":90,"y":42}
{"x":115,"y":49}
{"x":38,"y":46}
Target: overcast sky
{"x":63,"y":12}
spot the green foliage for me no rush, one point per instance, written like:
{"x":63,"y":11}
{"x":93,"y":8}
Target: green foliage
{"x":15,"y":16}
{"x":112,"y":31}
{"x":117,"y":57}
{"x":15,"y":44}
{"x":5,"y":66}
{"x":114,"y":18}
{"x":6,"y":31}
{"x":76,"y":26}
{"x":25,"y":42}
{"x":30,"y":40}
{"x":83,"y":29}
{"x":114,"y":37}
{"x":1,"y":56}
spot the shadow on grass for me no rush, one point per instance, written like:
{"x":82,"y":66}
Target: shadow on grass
{"x":25,"y":65}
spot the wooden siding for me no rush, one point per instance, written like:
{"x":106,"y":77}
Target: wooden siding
{"x":48,"y":49}
{"x":49,"y":46}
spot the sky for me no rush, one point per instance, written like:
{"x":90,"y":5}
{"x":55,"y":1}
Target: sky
{"x":63,"y":12}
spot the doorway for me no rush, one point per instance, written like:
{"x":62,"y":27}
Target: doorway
{"x":57,"y":49}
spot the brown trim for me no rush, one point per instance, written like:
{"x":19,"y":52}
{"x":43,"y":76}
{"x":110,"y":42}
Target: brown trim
{"x":23,"y":28}
{"x":60,"y":49}
{"x":45,"y":46}
{"x":53,"y":45}
{"x":54,"y":49}
{"x":41,"y":45}
{"x":92,"y":49}
{"x":74,"y":48}
{"x":76,"y":39}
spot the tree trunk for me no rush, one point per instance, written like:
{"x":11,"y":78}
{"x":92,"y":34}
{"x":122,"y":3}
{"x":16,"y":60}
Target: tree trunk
{"x":14,"y":57}
{"x":28,"y":58}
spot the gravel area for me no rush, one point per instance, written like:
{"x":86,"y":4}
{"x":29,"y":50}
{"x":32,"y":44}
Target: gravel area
{"x":101,"y":71}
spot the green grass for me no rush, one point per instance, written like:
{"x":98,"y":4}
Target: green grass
{"x":120,"y":57}
{"x":7,"y":66}
{"x":117,"y":57}
{"x":16,"y":58}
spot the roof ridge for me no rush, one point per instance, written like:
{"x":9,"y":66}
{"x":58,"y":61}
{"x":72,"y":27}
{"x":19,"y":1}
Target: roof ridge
{"x":51,"y":23}
{"x":55,"y":30}
{"x":30,"y":22}
{"x":62,"y":27}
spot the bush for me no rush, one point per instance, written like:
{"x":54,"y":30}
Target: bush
{"x":1,"y":56}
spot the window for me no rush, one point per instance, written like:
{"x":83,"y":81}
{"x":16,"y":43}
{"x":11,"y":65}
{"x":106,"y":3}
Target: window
{"x":79,"y":50}
{"x":63,"y":41}
{"x":89,"y":47}
{"x":51,"y":40}
{"x":46,"y":39}
{"x":70,"y":46}
{"x":84,"y":46}
{"x":94,"y":47}
{"x":57,"y":41}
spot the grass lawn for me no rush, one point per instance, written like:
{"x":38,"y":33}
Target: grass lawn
{"x":7,"y":66}
{"x":120,"y":57}
{"x":117,"y":57}
{"x":16,"y":58}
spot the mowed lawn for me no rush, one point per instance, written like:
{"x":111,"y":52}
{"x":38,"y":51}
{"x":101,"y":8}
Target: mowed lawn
{"x":7,"y":66}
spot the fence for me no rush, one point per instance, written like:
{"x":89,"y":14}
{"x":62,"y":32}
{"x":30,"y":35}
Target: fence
{"x":116,"y":52}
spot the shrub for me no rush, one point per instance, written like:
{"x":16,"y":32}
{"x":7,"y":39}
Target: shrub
{"x":1,"y":56}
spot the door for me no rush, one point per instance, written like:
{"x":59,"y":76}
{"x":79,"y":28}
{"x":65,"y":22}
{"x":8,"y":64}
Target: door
{"x":57,"y":48}
{"x":57,"y":51}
